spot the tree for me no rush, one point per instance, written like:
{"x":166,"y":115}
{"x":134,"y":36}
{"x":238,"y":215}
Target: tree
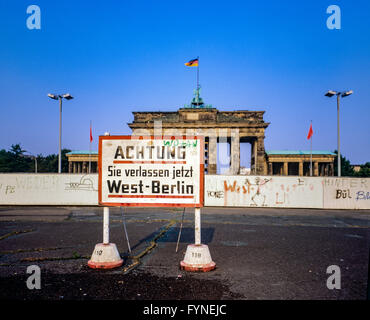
{"x":15,"y":160}
{"x":21,"y":163}
{"x":16,"y":150}
{"x":50,"y":162}
{"x":364,"y":170}
{"x":346,"y":168}
{"x":5,"y":161}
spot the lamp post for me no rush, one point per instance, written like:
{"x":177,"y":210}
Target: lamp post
{"x":60,"y":97}
{"x":344,"y":94}
{"x":34,"y":158}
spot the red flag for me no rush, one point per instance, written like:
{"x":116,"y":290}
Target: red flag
{"x":310,"y":132}
{"x":91,"y":137}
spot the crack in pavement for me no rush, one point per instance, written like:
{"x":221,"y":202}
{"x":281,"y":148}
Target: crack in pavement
{"x":153,"y":243}
{"x":15,"y":233}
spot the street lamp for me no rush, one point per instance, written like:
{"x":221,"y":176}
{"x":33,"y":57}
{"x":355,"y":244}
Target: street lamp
{"x":344,"y":94}
{"x":34,"y":158}
{"x":60,"y":98}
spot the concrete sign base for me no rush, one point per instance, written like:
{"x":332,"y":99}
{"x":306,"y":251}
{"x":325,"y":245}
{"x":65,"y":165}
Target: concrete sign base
{"x":197,"y":258}
{"x":105,"y":256}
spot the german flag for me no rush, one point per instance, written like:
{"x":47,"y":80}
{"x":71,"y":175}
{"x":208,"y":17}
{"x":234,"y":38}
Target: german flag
{"x":192,"y":63}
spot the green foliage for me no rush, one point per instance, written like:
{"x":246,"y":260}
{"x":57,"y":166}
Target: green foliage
{"x":347,"y":169}
{"x":50,"y":162}
{"x":364,"y":170}
{"x":15,"y":160}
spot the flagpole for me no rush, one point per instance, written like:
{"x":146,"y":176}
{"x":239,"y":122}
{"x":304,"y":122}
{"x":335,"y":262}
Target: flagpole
{"x":311,"y":154}
{"x":90,"y":150}
{"x":198,"y":74}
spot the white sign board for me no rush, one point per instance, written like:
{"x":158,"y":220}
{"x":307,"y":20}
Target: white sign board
{"x":151,"y":171}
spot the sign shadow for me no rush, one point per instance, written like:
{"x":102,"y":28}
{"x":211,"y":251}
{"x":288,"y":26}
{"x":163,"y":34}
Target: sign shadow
{"x":187,"y":235}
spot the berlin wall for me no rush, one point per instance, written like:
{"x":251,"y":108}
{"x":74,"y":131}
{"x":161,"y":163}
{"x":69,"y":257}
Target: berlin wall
{"x":220,"y":190}
{"x":287,"y":192}
{"x":263,"y":191}
{"x":351,"y":193}
{"x":48,"y":189}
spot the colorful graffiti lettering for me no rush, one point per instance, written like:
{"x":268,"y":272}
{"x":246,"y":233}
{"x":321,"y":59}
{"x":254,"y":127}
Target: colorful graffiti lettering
{"x":178,"y":143}
{"x":282,"y":196}
{"x":281,"y":199}
{"x":289,"y":192}
{"x":362,"y":195}
{"x":253,"y":189}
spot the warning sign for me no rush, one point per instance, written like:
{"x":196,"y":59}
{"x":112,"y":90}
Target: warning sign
{"x":153,"y":171}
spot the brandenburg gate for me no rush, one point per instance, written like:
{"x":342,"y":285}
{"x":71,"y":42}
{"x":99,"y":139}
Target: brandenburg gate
{"x":216,"y":126}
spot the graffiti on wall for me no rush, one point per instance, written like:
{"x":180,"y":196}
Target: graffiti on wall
{"x":85,"y":183}
{"x":48,"y":189}
{"x":7,"y":189}
{"x":348,"y":188}
{"x":255,"y":191}
{"x":343,"y":194}
{"x":251,"y":187}
{"x":346,"y":193}
{"x":18,"y":184}
{"x":220,"y":190}
{"x":215,"y":194}
{"x":362,"y":195}
{"x":24,"y":183}
{"x":346,"y":183}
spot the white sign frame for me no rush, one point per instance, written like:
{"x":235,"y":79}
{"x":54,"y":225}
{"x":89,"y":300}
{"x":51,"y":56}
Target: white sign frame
{"x":114,"y":163}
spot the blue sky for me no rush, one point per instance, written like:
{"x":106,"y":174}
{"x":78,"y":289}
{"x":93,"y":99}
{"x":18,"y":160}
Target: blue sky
{"x":116,"y":57}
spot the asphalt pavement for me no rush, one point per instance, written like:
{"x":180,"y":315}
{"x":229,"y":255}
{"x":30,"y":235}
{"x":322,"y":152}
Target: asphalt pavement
{"x":260,"y":253}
